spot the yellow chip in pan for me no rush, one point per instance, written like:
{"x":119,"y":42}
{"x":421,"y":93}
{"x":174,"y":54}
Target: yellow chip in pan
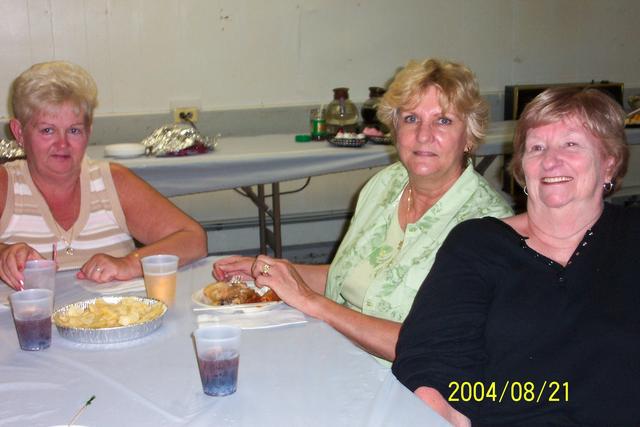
{"x":101,"y":314}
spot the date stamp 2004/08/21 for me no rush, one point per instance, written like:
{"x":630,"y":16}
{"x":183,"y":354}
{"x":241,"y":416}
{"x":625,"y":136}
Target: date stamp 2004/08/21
{"x":515,"y":391}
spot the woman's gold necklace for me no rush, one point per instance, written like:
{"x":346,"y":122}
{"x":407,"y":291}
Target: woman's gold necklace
{"x":408,"y":211}
{"x":67,"y":242}
{"x":68,"y":249}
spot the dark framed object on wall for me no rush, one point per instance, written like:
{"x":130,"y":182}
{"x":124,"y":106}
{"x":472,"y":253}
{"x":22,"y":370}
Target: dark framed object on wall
{"x":516,"y":97}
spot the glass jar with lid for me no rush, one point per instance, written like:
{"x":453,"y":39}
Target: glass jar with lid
{"x":341,"y":114}
{"x":369,"y":110}
{"x":370,"y":106}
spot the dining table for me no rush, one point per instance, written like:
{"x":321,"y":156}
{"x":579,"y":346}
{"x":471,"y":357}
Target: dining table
{"x":264,"y":161}
{"x":241,"y":161}
{"x":294,"y":370}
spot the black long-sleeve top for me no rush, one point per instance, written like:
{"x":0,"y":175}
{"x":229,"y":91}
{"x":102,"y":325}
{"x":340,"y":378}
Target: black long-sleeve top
{"x":493,"y":310}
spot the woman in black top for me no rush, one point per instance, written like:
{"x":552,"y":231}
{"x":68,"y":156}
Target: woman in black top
{"x":535,"y":319}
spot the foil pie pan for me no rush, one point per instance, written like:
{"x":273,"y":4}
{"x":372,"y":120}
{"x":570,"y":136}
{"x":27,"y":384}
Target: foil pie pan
{"x":109,"y":335}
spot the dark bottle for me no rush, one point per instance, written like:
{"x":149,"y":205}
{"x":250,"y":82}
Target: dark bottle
{"x":341,"y":114}
{"x":370,"y":107}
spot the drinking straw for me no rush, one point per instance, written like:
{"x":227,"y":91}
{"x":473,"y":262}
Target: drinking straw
{"x":75,"y":417}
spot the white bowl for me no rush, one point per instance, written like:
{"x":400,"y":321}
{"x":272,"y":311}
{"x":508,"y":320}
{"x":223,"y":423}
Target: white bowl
{"x":124,"y":150}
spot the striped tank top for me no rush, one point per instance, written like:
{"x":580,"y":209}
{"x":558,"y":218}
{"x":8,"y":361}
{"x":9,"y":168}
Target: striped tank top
{"x":100,"y":227}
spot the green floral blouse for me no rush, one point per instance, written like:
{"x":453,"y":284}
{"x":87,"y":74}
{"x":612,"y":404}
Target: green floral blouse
{"x":395,"y":282}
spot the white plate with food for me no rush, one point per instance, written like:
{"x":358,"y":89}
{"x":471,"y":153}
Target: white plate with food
{"x":228,"y":297}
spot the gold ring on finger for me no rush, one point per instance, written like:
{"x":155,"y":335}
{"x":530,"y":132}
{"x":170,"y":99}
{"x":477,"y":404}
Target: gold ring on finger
{"x":265,"y":269}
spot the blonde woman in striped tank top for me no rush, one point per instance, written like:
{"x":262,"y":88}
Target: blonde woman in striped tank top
{"x":90,"y":210}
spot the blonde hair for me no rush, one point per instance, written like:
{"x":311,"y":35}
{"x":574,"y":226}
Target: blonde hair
{"x":600,"y":115}
{"x":48,"y":85}
{"x":458,"y":91}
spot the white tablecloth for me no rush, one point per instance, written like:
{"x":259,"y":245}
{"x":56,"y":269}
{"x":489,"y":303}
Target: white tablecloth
{"x":298,"y":375}
{"x":243,"y":161}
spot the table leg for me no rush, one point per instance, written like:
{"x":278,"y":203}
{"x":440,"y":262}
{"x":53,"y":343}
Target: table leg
{"x":262,"y":219}
{"x":276,"y":238}
{"x":268,"y":238}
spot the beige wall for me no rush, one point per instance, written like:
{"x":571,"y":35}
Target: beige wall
{"x":240,"y":54}
{"x":247,"y":53}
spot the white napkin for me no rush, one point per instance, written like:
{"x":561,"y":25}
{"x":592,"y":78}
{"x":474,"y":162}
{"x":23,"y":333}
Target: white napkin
{"x":113,"y":288}
{"x":256,"y":320}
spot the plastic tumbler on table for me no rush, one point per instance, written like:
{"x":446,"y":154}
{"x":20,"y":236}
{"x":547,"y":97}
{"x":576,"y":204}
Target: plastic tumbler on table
{"x":218,"y":352}
{"x":40,"y":274}
{"x":160,"y":277}
{"x":31,"y":310}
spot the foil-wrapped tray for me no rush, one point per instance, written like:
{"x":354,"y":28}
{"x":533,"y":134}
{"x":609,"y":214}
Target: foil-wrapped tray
{"x":10,"y":150}
{"x":178,"y":140}
{"x":109,"y":335}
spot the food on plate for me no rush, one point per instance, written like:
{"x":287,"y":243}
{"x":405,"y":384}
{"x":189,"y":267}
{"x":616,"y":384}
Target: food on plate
{"x":102,"y":314}
{"x":348,"y":135}
{"x":269,"y":296}
{"x":224,"y":293}
{"x":376,"y":136}
{"x":633,"y":120}
{"x":372,"y":131}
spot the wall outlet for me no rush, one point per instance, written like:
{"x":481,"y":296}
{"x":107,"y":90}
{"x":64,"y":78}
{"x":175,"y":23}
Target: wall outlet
{"x":181,"y":114}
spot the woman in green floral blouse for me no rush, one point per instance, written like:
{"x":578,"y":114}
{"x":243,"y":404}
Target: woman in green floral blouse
{"x":403,"y":215}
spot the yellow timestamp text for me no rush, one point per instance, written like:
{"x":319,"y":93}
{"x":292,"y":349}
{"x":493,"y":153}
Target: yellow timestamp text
{"x":514,"y":391}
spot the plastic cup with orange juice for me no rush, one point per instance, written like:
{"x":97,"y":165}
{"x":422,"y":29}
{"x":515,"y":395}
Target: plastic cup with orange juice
{"x":160,"y":277}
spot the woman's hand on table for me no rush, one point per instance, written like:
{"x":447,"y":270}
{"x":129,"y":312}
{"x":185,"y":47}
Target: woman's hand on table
{"x":235,"y":265}
{"x":12,"y":263}
{"x":375,"y":335}
{"x":435,"y":401}
{"x":284,"y":279}
{"x":104,"y":268}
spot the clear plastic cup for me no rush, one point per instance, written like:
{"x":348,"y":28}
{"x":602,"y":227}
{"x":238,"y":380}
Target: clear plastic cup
{"x":160,"y":277}
{"x":218,"y":352}
{"x":40,"y":274}
{"x":31,"y":310}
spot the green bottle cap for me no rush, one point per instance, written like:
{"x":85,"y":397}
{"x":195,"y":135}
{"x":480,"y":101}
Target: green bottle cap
{"x":303,"y":138}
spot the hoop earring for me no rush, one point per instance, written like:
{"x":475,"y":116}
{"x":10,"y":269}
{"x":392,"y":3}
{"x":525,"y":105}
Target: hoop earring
{"x":608,"y":186}
{"x":525,"y":191}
